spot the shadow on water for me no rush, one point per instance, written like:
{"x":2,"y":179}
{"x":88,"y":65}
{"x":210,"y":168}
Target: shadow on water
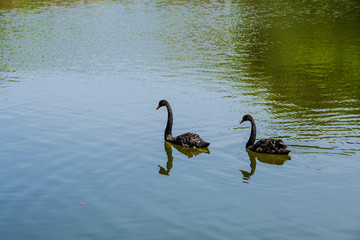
{"x":264,"y":158}
{"x":189,"y":152}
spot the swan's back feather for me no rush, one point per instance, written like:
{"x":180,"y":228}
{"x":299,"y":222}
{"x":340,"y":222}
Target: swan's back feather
{"x":190,"y":140}
{"x":274,"y":146}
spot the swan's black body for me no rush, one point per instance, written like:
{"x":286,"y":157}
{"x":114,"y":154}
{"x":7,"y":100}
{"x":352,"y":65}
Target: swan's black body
{"x":186,"y":140}
{"x":272,"y":146}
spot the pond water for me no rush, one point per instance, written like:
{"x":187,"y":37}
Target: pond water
{"x":82,"y":152}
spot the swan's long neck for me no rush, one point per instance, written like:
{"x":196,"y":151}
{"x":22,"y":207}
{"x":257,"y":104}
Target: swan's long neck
{"x":252,"y":137}
{"x":168,"y":135}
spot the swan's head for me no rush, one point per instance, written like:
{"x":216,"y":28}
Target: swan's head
{"x":161,"y":103}
{"x":246,"y":117}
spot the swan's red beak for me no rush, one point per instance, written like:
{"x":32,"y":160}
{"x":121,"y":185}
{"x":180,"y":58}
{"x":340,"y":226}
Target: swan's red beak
{"x":158,"y":107}
{"x":242,"y":121}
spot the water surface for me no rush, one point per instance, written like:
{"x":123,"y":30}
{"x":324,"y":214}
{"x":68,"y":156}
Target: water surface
{"x":79,"y":84}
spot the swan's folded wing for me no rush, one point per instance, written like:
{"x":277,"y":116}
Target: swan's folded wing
{"x":191,"y":140}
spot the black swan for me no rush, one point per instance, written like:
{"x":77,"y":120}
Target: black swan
{"x":272,"y":146}
{"x":186,"y":140}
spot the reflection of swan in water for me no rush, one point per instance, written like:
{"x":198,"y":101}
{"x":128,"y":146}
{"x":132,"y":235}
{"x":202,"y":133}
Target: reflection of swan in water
{"x":189,"y":152}
{"x":168,"y":150}
{"x":264,"y":158}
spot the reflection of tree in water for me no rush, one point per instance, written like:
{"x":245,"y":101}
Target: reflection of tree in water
{"x":303,"y":68}
{"x":264,"y":158}
{"x":292,"y":56}
{"x":189,"y":152}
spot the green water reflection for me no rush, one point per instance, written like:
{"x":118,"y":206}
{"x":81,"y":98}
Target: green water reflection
{"x":301,"y":60}
{"x":304,"y":54}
